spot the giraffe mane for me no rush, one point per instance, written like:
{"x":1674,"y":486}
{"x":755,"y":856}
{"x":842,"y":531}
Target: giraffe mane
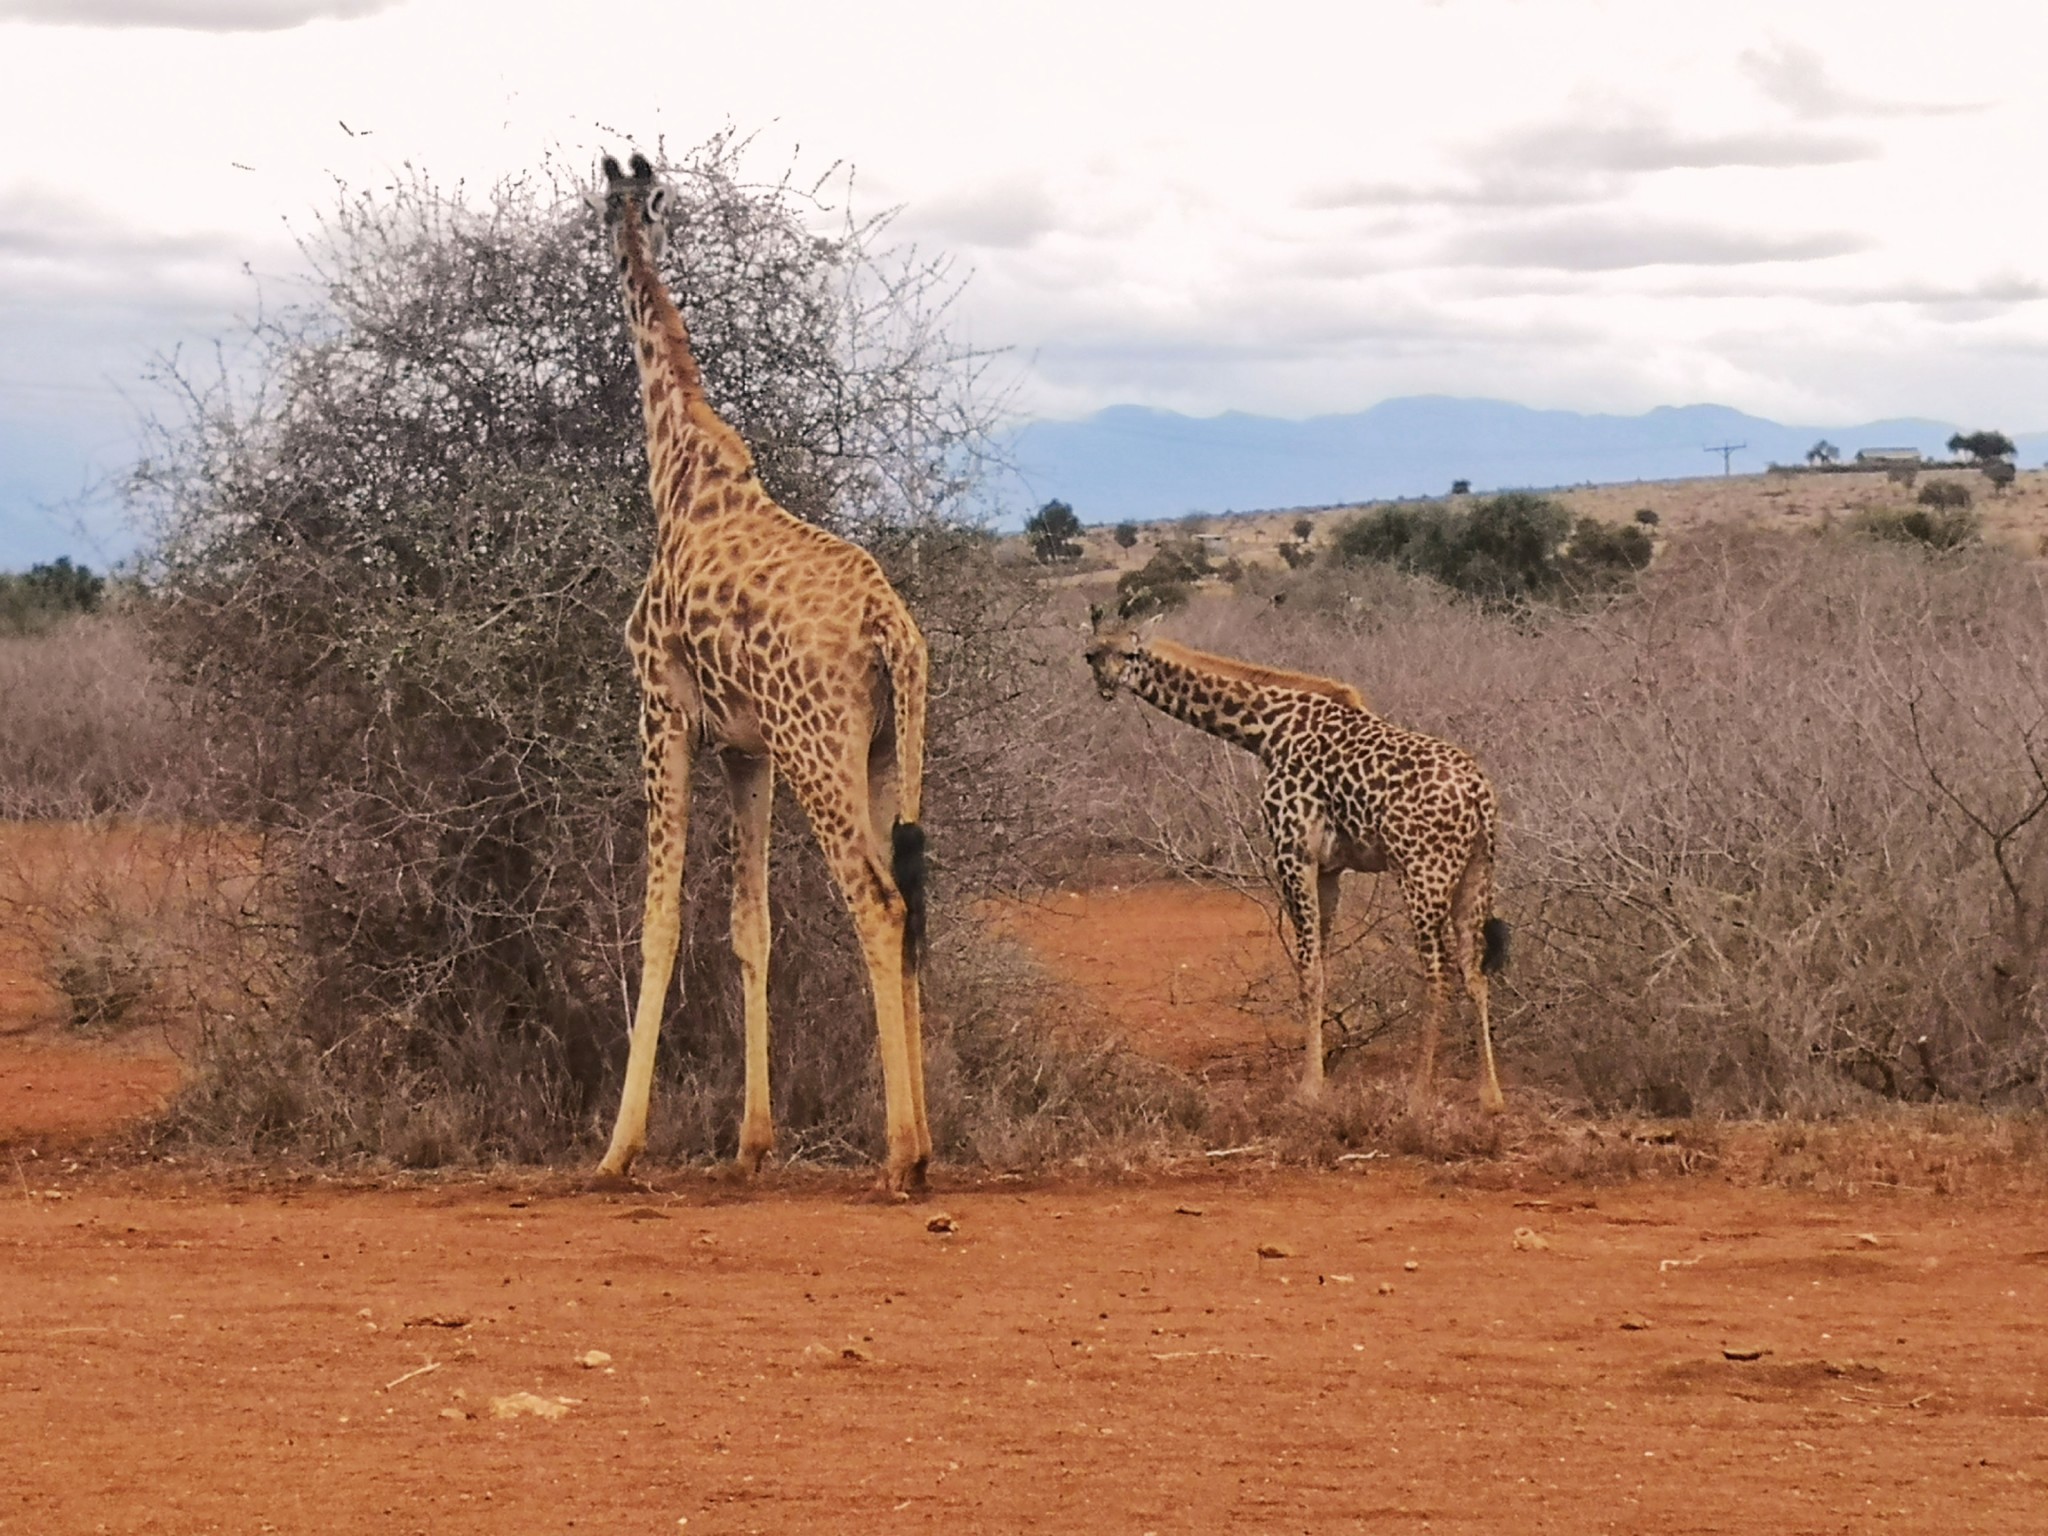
{"x":1258,"y":676}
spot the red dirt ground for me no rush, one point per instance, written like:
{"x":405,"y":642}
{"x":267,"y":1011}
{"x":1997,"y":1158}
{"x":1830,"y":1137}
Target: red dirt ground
{"x":197,"y":1353}
{"x":1185,"y":973}
{"x":184,"y":1358}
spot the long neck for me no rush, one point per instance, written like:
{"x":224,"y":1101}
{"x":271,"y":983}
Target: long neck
{"x":688,"y":443}
{"x":1225,"y":707}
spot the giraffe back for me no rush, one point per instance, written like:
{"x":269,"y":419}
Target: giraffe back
{"x":1421,"y":803}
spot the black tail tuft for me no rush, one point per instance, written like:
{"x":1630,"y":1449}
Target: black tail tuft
{"x":906,"y":851}
{"x":1495,"y":957}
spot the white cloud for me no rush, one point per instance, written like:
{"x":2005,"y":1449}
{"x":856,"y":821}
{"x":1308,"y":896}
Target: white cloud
{"x":1608,"y":244}
{"x":191,"y":15}
{"x":1798,"y":77}
{"x":1008,"y":214}
{"x":1572,"y":204}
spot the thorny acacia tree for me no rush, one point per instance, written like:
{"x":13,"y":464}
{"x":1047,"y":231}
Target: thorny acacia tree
{"x":394,"y":552}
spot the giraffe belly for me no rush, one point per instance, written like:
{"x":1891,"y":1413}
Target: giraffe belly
{"x":733,"y":723}
{"x":1335,"y":849}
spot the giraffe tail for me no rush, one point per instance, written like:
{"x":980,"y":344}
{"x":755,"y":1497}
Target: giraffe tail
{"x":907,"y":864}
{"x":1494,"y":957}
{"x":908,"y":663}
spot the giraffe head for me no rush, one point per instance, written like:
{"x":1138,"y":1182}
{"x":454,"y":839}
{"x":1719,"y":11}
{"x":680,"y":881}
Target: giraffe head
{"x":632,"y":205}
{"x":1114,"y":643}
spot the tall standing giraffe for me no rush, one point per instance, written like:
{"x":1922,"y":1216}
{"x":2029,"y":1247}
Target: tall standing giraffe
{"x":786,"y":650}
{"x":1344,"y":789}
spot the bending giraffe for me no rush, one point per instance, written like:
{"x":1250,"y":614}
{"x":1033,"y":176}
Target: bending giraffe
{"x":1344,"y":789}
{"x":786,"y":650}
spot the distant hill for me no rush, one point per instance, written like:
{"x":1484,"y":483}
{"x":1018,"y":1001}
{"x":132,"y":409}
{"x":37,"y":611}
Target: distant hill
{"x":1136,"y":463}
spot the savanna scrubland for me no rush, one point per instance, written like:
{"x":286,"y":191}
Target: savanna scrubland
{"x":322,"y":838}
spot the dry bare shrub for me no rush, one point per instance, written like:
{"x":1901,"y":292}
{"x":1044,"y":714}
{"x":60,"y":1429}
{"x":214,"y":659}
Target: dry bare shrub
{"x":1006,"y":1093}
{"x":1944,"y":1149}
{"x":394,"y":573}
{"x":1775,"y":839}
{"x":105,"y":968}
{"x":88,"y":728}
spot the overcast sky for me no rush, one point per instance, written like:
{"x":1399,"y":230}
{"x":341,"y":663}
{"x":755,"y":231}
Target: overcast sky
{"x":1816,"y":211}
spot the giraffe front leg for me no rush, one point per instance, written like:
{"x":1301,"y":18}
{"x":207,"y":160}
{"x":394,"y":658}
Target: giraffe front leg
{"x":752,"y":783}
{"x":666,"y":753}
{"x":1300,"y":890}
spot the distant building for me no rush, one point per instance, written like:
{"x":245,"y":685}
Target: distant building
{"x":1884,"y":456}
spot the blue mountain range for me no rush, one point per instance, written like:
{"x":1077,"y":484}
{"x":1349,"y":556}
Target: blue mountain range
{"x":1131,"y":462}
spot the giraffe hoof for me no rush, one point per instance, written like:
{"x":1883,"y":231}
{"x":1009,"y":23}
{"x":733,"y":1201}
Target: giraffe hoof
{"x":612,"y":1181}
{"x":904,"y":1182}
{"x":752,"y":1156}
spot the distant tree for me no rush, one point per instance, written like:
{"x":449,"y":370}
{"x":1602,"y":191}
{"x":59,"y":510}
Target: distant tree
{"x":1053,"y":530}
{"x":1823,"y":453}
{"x":2001,"y":474}
{"x":1944,"y":493}
{"x":1304,"y":530}
{"x":1647,"y":517}
{"x":1126,"y":535}
{"x":1982,"y":445}
{"x":1164,"y":582}
{"x":1194,"y":522}
{"x":1461,"y":487}
{"x":46,"y":593}
{"x":63,"y":585}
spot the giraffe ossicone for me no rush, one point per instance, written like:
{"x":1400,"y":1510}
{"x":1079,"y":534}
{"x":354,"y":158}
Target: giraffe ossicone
{"x":783,"y":648}
{"x":1344,"y":789}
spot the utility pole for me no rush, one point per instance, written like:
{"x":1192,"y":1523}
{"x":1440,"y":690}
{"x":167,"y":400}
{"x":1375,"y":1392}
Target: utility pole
{"x":1725,"y":450}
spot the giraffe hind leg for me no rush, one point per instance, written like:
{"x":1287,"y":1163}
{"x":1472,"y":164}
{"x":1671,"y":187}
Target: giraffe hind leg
{"x":840,"y":819}
{"x":905,"y":847}
{"x":1429,"y":914}
{"x":1479,"y":942}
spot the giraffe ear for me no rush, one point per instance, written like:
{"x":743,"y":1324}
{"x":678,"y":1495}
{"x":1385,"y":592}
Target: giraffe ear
{"x":656,"y":201}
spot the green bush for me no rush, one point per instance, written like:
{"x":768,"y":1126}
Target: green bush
{"x":1504,"y":550}
{"x":1601,"y":550}
{"x":1938,"y":526}
{"x":1164,"y":582}
{"x":33,"y":601}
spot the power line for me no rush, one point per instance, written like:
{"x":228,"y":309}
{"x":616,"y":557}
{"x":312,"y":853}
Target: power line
{"x":1726,"y":450}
